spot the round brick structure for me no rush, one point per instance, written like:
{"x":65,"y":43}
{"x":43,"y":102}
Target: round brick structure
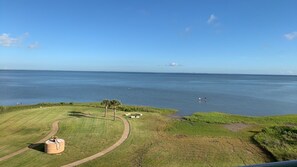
{"x":54,"y":146}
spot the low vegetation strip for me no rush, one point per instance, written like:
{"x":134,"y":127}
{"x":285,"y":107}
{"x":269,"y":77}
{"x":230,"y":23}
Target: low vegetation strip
{"x":54,"y":130}
{"x":127,"y":108}
{"x":280,"y":141}
{"x":101,"y":153}
{"x":225,"y":118}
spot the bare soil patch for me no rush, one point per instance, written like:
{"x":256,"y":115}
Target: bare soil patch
{"x":235,"y":127}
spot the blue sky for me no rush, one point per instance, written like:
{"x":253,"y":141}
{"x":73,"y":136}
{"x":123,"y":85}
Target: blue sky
{"x":205,"y":36}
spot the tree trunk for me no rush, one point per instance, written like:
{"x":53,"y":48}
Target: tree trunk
{"x":105,"y":112}
{"x":114,"y":114}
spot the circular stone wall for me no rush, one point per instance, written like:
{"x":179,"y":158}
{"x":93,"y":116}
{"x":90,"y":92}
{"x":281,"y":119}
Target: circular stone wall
{"x":54,"y":146}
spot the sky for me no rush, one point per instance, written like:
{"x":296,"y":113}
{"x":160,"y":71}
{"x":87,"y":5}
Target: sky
{"x":188,"y":36}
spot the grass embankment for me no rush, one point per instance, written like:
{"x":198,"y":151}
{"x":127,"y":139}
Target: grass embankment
{"x":224,"y":118}
{"x":281,"y":141}
{"x":203,"y":139}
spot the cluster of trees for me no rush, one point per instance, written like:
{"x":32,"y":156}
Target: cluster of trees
{"x":111,"y":104}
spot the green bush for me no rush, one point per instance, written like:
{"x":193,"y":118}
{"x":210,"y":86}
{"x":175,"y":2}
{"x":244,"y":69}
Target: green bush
{"x":126,"y":108}
{"x":280,"y":141}
{"x":2,"y":108}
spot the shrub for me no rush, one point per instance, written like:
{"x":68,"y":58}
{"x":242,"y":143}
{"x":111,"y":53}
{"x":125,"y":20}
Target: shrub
{"x":126,"y":108}
{"x":280,"y":141}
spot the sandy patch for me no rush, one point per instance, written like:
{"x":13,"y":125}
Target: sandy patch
{"x":235,"y":127}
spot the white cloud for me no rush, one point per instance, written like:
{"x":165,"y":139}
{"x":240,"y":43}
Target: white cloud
{"x":291,"y":36}
{"x":33,"y":45}
{"x":212,"y":19}
{"x":173,"y":64}
{"x":7,"y":41}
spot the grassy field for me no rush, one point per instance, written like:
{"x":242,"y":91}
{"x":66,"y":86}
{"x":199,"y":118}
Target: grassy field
{"x":162,"y":141}
{"x":156,"y":139}
{"x":84,"y":136}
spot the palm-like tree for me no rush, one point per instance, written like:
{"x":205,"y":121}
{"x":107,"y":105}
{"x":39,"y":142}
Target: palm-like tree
{"x":106,"y":104}
{"x":114,"y":104}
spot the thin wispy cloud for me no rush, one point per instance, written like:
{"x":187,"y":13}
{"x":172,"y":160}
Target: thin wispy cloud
{"x":214,"y":22}
{"x":212,"y":19}
{"x":33,"y":45}
{"x":291,"y":36}
{"x":7,"y":41}
{"x":186,"y":32}
{"x":188,"y":29}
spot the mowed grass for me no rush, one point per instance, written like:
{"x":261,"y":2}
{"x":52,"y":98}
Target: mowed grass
{"x":157,"y":140}
{"x":19,"y":128}
{"x":84,"y":136}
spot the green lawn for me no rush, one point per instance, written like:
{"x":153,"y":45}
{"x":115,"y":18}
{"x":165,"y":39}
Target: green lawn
{"x":156,"y":139}
{"x":162,"y":141}
{"x":84,"y":136}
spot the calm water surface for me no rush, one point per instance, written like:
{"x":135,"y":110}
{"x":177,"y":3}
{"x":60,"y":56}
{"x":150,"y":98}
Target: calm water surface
{"x":237,"y":94}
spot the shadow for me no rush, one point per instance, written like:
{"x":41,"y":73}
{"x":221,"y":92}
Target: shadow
{"x":36,"y":146}
{"x":267,"y":153}
{"x":254,"y":131}
{"x":79,"y":114}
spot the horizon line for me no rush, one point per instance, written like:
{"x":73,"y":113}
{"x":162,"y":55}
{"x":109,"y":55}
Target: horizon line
{"x":202,"y":73}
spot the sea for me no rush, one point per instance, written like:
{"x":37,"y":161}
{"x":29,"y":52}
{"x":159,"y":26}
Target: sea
{"x":253,"y":95}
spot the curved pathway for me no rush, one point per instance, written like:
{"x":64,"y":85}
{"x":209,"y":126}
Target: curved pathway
{"x":54,"y":130}
{"x":101,"y":153}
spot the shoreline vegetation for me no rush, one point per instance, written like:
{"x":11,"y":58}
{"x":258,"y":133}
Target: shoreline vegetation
{"x":202,"y":139}
{"x":125,"y":108}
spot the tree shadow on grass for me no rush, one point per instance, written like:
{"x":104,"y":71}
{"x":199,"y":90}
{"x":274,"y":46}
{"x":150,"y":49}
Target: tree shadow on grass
{"x":254,"y":131}
{"x":36,"y":146}
{"x":79,"y":114}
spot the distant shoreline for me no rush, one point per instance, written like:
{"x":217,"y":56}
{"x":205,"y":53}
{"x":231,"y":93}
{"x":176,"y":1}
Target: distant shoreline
{"x":171,"y":112}
{"x":144,"y":72}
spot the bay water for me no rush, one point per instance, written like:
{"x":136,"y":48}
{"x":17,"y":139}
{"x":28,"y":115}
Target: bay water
{"x":254,"y":95}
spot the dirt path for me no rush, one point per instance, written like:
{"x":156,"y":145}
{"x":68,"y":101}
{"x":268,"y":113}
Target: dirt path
{"x":54,"y":130}
{"x":101,"y":153}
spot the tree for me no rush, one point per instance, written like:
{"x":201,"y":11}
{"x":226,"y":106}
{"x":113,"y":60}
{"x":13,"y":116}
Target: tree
{"x":114,"y":104}
{"x":106,"y":104}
